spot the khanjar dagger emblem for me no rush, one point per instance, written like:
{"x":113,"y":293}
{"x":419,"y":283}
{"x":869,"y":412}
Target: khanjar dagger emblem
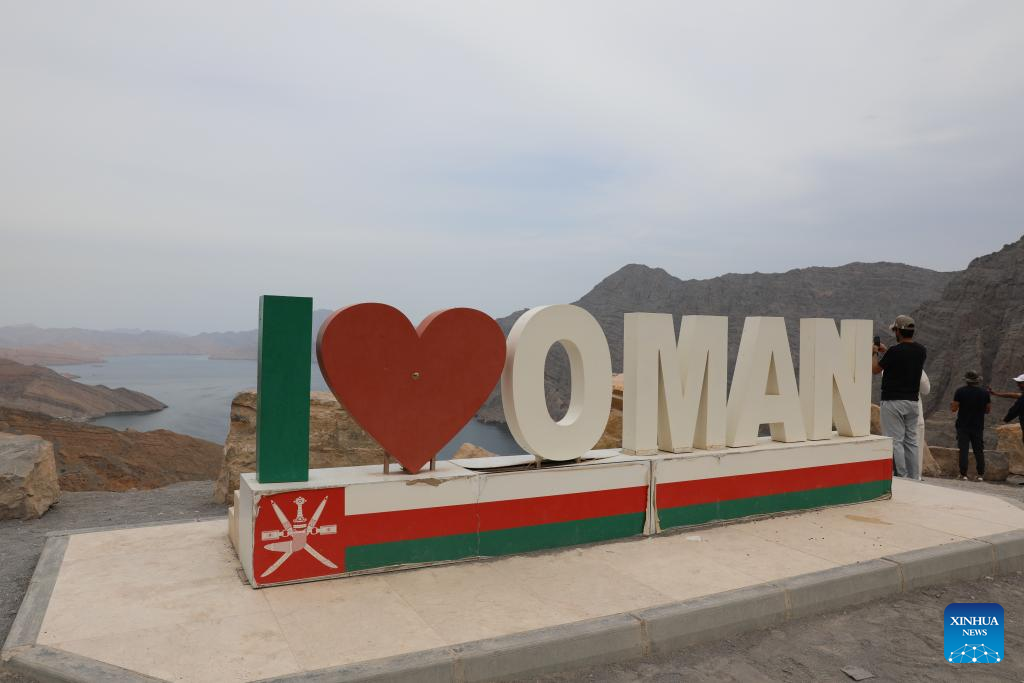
{"x":296,"y":534}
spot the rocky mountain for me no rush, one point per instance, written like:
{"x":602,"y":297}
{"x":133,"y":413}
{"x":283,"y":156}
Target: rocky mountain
{"x":876,"y":291}
{"x":41,"y":390}
{"x":94,"y":458}
{"x":976,"y":323}
{"x":68,"y":346}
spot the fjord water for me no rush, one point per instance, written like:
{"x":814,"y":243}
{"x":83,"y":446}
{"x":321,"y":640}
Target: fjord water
{"x":198,"y":392}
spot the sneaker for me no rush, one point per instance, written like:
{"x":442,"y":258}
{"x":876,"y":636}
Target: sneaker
{"x":964,"y":477}
{"x":979,"y":478}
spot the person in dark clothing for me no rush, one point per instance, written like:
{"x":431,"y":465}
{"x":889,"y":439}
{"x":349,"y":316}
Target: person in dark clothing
{"x":901,"y":385}
{"x":971,"y":404}
{"x":1016,"y":411}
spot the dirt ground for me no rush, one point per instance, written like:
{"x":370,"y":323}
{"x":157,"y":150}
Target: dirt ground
{"x":898,"y":640}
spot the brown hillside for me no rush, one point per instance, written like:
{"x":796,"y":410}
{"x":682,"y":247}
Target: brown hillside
{"x":94,"y":458}
{"x":41,"y":390}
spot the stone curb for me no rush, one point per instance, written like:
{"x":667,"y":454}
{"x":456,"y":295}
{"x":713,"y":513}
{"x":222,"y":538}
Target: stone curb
{"x":51,"y":665}
{"x":677,"y":625}
{"x":29,"y":619}
{"x":141,"y":525}
{"x":939,"y":564}
{"x":603,"y":640}
{"x":595,"y":641}
{"x":840,"y":587}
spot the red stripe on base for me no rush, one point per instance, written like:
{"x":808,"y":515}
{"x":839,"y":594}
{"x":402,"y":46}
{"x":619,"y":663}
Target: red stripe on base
{"x":696,"y":492}
{"x":570,"y":507}
{"x":449,"y":520}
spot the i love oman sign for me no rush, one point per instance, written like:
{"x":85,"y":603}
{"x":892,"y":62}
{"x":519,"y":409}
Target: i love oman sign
{"x":691,"y":452}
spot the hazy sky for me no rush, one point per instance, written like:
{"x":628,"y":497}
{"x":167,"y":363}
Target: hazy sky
{"x":163,"y":164}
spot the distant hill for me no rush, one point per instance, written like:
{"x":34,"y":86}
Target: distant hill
{"x":43,"y":356}
{"x":976,"y":323}
{"x":41,"y":390}
{"x":874,"y":291}
{"x":73,"y":345}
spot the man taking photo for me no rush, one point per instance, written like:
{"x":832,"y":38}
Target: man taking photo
{"x":902,"y":365}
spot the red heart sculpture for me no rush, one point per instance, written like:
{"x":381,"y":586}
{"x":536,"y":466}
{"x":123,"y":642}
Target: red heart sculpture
{"x":411,"y":389}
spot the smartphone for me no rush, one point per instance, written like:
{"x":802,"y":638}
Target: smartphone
{"x":878,"y":340}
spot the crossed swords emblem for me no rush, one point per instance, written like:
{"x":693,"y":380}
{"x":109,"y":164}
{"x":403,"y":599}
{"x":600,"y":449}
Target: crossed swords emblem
{"x":297,"y":532}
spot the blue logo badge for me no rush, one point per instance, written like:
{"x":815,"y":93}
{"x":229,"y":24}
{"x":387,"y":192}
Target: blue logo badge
{"x":974,"y":632}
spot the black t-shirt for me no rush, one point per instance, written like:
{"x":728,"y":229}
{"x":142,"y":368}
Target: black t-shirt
{"x":903,"y":364}
{"x":971,"y":413}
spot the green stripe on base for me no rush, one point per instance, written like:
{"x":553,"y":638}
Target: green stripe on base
{"x":436,"y":549}
{"x":690,"y":515}
{"x":493,"y":543}
{"x":544,"y":536}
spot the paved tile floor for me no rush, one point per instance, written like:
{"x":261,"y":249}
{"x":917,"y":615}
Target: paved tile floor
{"x":168,"y":601}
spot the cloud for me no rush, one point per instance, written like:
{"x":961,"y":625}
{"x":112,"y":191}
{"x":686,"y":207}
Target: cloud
{"x":167,"y":163}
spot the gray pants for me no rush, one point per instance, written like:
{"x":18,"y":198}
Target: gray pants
{"x":899,"y":423}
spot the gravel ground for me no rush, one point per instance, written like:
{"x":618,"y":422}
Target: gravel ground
{"x":898,"y":640}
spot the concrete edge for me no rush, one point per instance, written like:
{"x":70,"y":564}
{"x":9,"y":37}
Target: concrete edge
{"x":1009,"y":550}
{"x":603,"y":640}
{"x":140,"y":525}
{"x":430,"y":666}
{"x":29,"y":619}
{"x":968,"y":559}
{"x":51,"y":665}
{"x":840,"y":587}
{"x":683,"y":624}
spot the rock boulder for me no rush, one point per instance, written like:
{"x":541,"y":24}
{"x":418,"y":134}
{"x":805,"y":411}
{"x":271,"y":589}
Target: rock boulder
{"x":947,"y":461}
{"x":28,"y":477}
{"x":335,"y":440}
{"x":1011,"y":444}
{"x":470,"y":450}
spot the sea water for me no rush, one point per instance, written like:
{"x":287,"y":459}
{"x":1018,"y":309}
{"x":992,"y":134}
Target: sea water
{"x":198,"y":393}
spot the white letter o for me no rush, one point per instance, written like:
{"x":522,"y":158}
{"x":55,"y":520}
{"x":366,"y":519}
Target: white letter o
{"x":522,"y":382}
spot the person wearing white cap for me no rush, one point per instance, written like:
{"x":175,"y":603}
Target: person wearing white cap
{"x":1017,"y":409}
{"x":901,"y":393}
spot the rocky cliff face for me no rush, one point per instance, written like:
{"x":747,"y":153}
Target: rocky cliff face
{"x":41,"y":390}
{"x":94,"y":458}
{"x":335,"y":440}
{"x":977,"y":323}
{"x":875,"y":291}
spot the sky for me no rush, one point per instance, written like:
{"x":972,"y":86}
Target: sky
{"x":162,"y":164}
